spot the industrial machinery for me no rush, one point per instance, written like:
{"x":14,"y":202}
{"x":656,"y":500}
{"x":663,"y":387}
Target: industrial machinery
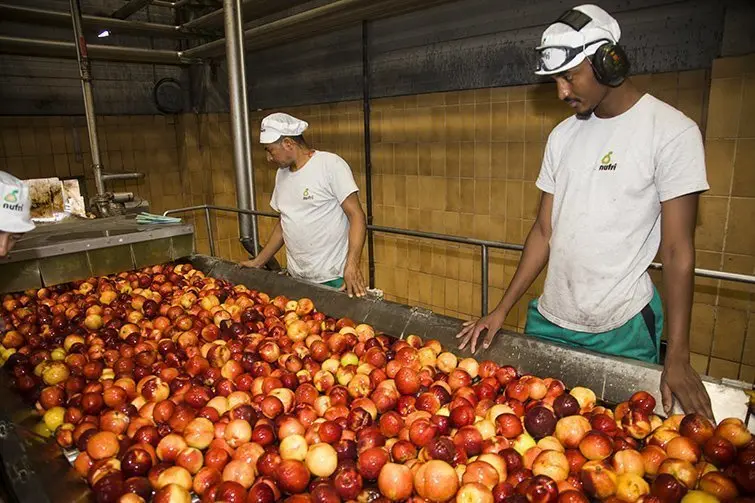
{"x":37,"y":470}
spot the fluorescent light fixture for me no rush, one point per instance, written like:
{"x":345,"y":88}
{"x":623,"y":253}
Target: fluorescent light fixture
{"x":103,"y":34}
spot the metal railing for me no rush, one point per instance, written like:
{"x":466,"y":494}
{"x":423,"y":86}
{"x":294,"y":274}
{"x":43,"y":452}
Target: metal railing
{"x":484,"y":245}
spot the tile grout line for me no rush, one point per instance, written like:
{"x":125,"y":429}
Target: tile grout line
{"x":723,"y":244}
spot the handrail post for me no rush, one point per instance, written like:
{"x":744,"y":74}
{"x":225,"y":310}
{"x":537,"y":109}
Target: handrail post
{"x":484,"y":266}
{"x":210,"y":238}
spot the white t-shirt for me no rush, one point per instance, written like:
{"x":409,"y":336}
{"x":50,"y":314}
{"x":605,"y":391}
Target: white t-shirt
{"x":315,"y":227}
{"x":608,"y":178}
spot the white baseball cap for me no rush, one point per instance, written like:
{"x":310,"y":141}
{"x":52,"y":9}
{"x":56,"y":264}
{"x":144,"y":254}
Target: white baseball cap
{"x":574,"y":37}
{"x":279,"y":124}
{"x":15,"y":205}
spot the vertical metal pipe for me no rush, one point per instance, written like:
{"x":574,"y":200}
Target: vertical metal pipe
{"x":208,"y":223}
{"x":484,"y":280}
{"x":85,"y":72}
{"x":242,"y":149}
{"x":367,"y":147}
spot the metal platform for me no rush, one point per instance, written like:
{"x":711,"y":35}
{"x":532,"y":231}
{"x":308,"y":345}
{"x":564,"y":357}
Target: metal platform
{"x":77,"y":249}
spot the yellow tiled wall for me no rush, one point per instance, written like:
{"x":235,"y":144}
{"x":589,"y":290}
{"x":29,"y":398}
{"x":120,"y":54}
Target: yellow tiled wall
{"x":34,"y":147}
{"x":723,"y":316}
{"x":465,"y":163}
{"x":461,"y":163}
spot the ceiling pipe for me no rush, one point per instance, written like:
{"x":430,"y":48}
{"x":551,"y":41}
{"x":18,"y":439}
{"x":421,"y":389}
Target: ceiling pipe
{"x":32,"y":15}
{"x":170,"y":5}
{"x":327,"y":17}
{"x":67,"y":50}
{"x":131,"y":7}
{"x":250,"y":9}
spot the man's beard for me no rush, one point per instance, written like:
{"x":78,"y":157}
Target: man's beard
{"x":580,"y":115}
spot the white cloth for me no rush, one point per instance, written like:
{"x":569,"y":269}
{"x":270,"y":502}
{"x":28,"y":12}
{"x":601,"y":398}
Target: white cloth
{"x":315,"y":227}
{"x":608,"y":178}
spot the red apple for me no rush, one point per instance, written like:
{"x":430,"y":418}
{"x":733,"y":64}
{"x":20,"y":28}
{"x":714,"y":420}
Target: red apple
{"x":668,"y":488}
{"x":719,"y":485}
{"x":596,"y":446}
{"x":598,"y":479}
{"x":684,"y":471}
{"x":631,"y":487}
{"x":570,"y":430}
{"x":683,"y":448}
{"x":540,"y":489}
{"x":554,"y":464}
{"x":697,"y":428}
{"x":395,"y":481}
{"x":719,"y":451}
{"x":436,"y":481}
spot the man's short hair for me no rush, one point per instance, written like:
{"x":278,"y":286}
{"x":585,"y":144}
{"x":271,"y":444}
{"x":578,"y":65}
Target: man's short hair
{"x":299,"y":140}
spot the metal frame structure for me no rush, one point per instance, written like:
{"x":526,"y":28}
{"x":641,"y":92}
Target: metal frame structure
{"x":23,"y":14}
{"x":485,"y":246}
{"x":240,"y":129}
{"x":313,"y":20}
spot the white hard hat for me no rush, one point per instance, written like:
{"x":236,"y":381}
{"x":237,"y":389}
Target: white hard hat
{"x":565,"y":44}
{"x":15,"y":205}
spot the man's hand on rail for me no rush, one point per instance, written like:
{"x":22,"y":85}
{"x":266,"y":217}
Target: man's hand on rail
{"x":353,"y":282}
{"x":680,"y":381}
{"x":253,"y":263}
{"x":473,"y":329}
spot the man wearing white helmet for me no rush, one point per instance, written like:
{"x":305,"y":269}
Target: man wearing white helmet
{"x":620,"y":180}
{"x":15,"y":216}
{"x":322,"y":223}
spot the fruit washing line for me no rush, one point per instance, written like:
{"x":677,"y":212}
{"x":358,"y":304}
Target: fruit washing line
{"x":39,"y":471}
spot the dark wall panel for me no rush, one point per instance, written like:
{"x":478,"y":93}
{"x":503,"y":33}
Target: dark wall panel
{"x":471,"y":44}
{"x":42,"y":86}
{"x":458,"y":45}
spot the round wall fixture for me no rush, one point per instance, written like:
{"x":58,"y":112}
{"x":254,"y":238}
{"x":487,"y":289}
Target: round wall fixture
{"x":168,"y":96}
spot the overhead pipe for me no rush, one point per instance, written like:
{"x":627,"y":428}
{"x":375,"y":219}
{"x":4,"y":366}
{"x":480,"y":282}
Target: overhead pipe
{"x":330,"y":16}
{"x":85,"y":71}
{"x":110,"y":177}
{"x":170,"y":5}
{"x":21,"y":14}
{"x":242,"y":148}
{"x":215,"y":48}
{"x":254,"y":9}
{"x":130,"y":8}
{"x":58,"y":49}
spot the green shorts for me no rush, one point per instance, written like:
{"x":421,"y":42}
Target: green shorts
{"x":334,"y":283}
{"x":639,"y":338}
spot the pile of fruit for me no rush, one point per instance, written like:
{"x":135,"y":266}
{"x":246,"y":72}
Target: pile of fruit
{"x":169,"y":383}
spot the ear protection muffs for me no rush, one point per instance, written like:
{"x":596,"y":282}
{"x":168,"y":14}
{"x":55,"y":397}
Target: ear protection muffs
{"x":609,"y":63}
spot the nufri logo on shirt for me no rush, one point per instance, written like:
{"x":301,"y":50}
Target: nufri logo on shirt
{"x":307,"y":196}
{"x":606,"y":164}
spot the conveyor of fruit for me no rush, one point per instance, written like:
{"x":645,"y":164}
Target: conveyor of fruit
{"x":38,"y":471}
{"x":77,"y":249}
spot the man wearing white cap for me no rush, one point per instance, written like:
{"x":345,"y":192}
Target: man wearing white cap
{"x":322,"y":223}
{"x":620,"y":180}
{"x":15,"y":216}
